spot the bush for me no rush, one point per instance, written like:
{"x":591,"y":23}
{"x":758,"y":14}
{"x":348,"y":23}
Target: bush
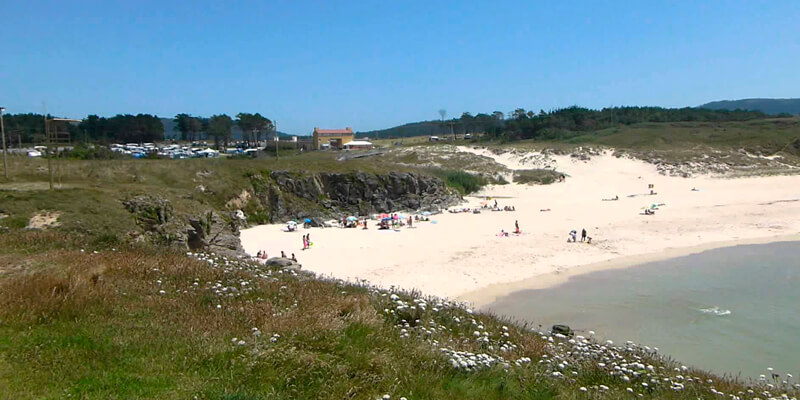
{"x":85,"y":152}
{"x":463,"y":182}
{"x":536,"y":176}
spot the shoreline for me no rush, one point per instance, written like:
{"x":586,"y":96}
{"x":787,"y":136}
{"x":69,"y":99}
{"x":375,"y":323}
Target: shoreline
{"x":480,"y":298}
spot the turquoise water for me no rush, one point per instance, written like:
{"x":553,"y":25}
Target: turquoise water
{"x":734,"y":310}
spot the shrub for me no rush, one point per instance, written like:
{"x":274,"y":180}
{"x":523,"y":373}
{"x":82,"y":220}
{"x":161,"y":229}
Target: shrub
{"x":463,"y":182}
{"x":536,"y":176}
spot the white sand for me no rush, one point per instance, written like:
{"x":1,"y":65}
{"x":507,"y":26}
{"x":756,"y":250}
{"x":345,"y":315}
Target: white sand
{"x":462,"y":256}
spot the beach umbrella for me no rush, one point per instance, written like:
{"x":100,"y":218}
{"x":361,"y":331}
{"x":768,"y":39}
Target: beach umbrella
{"x":386,"y":219}
{"x":308,"y":220}
{"x":291,"y":223}
{"x":426,"y":213}
{"x":384,"y":215}
{"x":352,"y":218}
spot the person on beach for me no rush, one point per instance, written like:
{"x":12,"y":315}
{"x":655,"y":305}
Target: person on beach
{"x":583,"y":235}
{"x":410,"y":222}
{"x":495,"y":203}
{"x":572,"y":236}
{"x":294,"y":258}
{"x":305,"y":242}
{"x":516,"y":226}
{"x":283,"y":255}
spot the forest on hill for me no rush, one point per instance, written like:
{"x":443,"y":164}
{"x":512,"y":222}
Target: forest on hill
{"x":767,"y":106}
{"x":560,"y":123}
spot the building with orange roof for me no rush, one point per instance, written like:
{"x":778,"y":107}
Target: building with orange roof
{"x":332,"y":138}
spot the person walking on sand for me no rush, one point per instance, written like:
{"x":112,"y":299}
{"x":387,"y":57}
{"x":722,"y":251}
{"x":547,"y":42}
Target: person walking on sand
{"x":583,"y":235}
{"x":305,"y":243}
{"x":516,"y":225}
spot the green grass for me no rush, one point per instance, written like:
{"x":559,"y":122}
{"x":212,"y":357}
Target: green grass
{"x":463,"y":182}
{"x":94,"y":326}
{"x":536,"y":176}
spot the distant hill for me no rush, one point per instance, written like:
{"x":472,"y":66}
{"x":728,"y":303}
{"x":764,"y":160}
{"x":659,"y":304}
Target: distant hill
{"x":171,"y":133}
{"x":767,"y":106}
{"x":407,"y":130}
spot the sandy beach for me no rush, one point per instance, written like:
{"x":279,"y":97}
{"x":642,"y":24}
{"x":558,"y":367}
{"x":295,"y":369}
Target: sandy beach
{"x":462,"y":256}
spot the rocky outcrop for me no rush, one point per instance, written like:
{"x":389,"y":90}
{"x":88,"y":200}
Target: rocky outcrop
{"x":281,"y":262}
{"x":159,"y":224}
{"x":283,"y":195}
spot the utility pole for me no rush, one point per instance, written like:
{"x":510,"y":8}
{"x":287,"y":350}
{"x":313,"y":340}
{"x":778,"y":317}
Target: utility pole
{"x":49,"y":151}
{"x":3,"y":132}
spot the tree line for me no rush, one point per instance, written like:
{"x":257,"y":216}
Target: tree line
{"x":141,"y":128}
{"x":254,"y":127}
{"x":560,"y":123}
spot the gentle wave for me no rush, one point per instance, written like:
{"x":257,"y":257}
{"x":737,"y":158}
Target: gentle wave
{"x":715,"y":311}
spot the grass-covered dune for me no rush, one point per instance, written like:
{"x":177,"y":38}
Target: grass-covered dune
{"x":142,"y":322}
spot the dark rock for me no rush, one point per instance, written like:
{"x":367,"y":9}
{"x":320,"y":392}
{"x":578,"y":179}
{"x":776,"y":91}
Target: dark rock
{"x":211,"y":233}
{"x":562,"y":329}
{"x":161,"y":225}
{"x":288,"y":195}
{"x":282,"y":263}
{"x":149,"y":211}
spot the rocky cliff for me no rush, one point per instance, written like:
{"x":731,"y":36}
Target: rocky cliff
{"x":159,"y":223}
{"x":279,"y":195}
{"x":276,"y":196}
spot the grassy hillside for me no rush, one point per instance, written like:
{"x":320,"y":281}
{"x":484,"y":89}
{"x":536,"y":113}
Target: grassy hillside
{"x":768,"y":106}
{"x":139,"y":322}
{"x":85,"y":313}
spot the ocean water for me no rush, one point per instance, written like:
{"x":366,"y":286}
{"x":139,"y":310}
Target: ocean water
{"x":732,"y":311}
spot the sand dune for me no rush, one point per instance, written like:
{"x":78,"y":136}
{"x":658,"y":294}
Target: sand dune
{"x":461,"y":255}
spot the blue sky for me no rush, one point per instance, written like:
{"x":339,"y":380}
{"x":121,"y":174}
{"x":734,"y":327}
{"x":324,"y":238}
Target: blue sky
{"x":376,"y":64}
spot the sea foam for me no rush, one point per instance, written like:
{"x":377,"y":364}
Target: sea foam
{"x":715,"y":311}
